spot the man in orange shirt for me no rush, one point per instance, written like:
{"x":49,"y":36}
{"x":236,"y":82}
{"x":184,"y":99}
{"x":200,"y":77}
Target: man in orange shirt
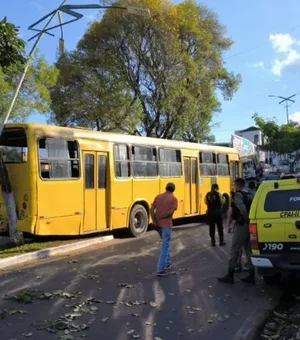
{"x":162,"y":211}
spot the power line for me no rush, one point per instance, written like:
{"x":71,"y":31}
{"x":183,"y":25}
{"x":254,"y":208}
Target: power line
{"x":258,"y":46}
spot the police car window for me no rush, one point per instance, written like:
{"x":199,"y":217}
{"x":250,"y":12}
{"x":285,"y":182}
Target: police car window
{"x":284,"y":200}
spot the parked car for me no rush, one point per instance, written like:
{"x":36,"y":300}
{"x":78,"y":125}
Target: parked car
{"x":272,"y":176}
{"x":289,"y":176}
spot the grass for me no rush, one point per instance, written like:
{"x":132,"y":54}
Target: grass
{"x":30,"y":247}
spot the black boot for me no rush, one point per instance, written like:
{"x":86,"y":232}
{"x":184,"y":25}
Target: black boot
{"x":250,"y":278}
{"x":229,"y":278}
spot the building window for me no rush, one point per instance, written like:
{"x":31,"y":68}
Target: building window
{"x":59,"y":158}
{"x":223,"y":165}
{"x":255,"y":141}
{"x":122,"y":161}
{"x":89,"y":170}
{"x":170,"y":163}
{"x":208,"y":166}
{"x":144,"y":161}
{"x":102,"y":172}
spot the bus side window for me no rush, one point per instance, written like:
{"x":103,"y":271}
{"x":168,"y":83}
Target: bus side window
{"x":144,"y":161}
{"x":170,"y":163}
{"x":122,"y":161}
{"x":223,"y":165}
{"x":208,"y":166}
{"x":234,"y":170}
{"x":58,"y":158}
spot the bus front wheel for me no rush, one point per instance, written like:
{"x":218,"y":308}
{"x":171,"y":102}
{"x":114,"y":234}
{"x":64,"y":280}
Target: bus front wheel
{"x":138,"y":223}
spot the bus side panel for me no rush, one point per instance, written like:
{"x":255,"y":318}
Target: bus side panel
{"x":224,"y":185}
{"x":60,"y":207}
{"x":19,"y":178}
{"x":121,"y":200}
{"x":145,"y":189}
{"x":179,"y":193}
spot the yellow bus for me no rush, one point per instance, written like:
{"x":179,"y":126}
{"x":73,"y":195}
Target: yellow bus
{"x":70,"y":181}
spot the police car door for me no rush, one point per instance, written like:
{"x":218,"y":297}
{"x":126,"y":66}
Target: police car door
{"x":270,"y":226}
{"x":292,"y":220}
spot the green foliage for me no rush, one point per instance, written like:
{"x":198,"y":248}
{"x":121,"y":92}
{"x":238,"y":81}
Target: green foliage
{"x":156,"y":76}
{"x":11,"y":46}
{"x":34,"y":95}
{"x":283,"y":139}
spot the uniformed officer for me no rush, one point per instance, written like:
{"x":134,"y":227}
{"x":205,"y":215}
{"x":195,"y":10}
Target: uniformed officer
{"x":215,"y":201}
{"x":240,"y":214}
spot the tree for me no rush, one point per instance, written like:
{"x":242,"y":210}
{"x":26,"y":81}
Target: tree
{"x":282,"y":139}
{"x":34,"y":96}
{"x":163,"y":71}
{"x":87,"y":97}
{"x":11,"y":46}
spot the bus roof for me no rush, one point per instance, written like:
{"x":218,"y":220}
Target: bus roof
{"x":82,"y":133}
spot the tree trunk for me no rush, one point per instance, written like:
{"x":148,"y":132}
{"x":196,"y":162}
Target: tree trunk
{"x":10,"y":203}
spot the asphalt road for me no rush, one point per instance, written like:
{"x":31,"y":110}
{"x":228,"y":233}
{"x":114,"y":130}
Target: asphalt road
{"x":112,"y":292}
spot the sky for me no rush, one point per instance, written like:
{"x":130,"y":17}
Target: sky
{"x":266,"y":52}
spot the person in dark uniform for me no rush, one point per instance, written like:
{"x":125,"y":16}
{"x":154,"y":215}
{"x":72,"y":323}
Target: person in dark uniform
{"x":242,"y":200}
{"x":215,"y":201}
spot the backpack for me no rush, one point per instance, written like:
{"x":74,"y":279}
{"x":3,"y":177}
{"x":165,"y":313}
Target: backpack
{"x":247,"y":199}
{"x":213,"y":201}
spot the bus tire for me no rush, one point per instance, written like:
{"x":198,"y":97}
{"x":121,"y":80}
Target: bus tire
{"x":139,"y":221}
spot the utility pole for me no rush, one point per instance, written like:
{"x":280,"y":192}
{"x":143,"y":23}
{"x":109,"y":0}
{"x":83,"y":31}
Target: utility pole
{"x":69,"y":10}
{"x":286,"y":101}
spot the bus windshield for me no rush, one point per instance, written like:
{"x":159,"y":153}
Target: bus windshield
{"x":13,"y":145}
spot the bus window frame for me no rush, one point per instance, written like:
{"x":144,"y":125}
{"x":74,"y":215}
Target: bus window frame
{"x":129,"y":161}
{"x":227,"y":163}
{"x":181,"y":162}
{"x":215,"y":163}
{"x":39,"y":160}
{"x":23,"y":147}
{"x":132,"y":161}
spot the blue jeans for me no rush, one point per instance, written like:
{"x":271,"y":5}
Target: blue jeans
{"x":164,"y":258}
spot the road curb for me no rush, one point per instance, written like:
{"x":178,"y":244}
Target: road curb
{"x":49,"y":252}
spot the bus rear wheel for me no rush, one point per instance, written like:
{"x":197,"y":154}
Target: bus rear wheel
{"x":138,"y":222}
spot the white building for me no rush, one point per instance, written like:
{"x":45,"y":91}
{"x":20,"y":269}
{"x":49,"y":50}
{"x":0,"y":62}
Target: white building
{"x":253,"y":134}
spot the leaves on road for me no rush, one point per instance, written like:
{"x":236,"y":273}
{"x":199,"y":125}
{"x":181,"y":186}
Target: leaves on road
{"x":153,"y":304}
{"x":28,"y":296}
{"x":126,"y":285}
{"x":284,"y":325}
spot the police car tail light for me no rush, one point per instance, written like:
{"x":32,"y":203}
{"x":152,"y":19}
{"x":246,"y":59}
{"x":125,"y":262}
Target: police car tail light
{"x":253,"y":235}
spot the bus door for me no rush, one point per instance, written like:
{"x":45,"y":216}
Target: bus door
{"x":95,"y":191}
{"x":102,"y":184}
{"x":90,"y":192}
{"x":190,"y":189}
